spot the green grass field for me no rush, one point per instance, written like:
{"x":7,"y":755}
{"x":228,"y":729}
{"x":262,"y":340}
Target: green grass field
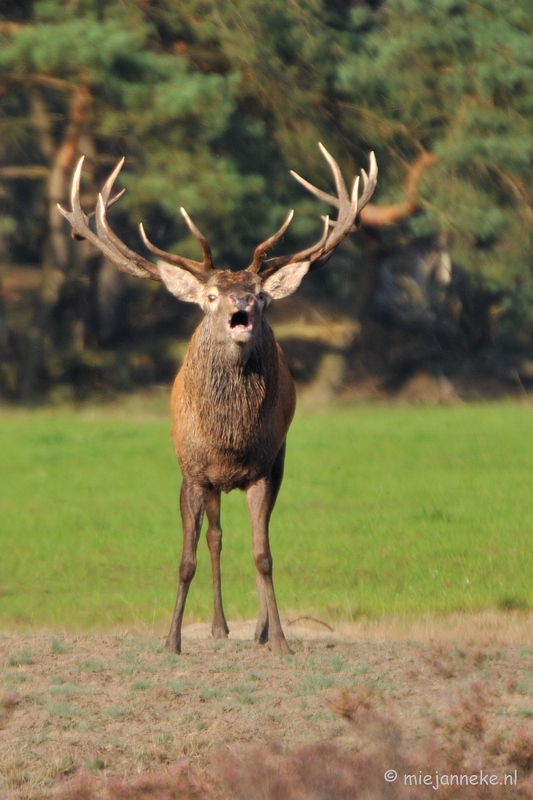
{"x":384,"y":510}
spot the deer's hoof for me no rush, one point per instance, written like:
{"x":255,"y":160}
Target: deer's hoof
{"x":173,"y":646}
{"x":280,"y":647}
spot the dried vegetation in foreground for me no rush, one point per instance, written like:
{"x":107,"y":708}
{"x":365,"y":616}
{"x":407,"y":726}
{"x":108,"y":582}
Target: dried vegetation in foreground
{"x":118,"y":718}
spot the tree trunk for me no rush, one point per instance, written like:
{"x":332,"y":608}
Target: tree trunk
{"x":109,"y":294}
{"x":57,"y":253}
{"x":4,"y":331}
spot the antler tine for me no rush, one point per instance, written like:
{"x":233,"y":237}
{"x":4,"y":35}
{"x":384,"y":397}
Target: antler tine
{"x":114,"y":199}
{"x":324,"y":196}
{"x":262,"y":249}
{"x":339,"y":182}
{"x":77,"y":210}
{"x":108,"y":185}
{"x":106,"y":191}
{"x":369,"y":182}
{"x":109,"y":237}
{"x":344,"y":224}
{"x":194,"y":267}
{"x":342,"y":192}
{"x":273,"y":264}
{"x":198,"y":235}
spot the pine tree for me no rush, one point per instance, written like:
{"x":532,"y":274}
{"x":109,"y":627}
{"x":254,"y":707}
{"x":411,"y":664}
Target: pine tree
{"x":94,"y":78}
{"x":212,"y":102}
{"x":453,"y":77}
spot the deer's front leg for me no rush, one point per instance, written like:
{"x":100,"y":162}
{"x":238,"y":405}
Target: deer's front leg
{"x":192,"y":512}
{"x":261,"y":631}
{"x":219,"y":628}
{"x":260,"y":497}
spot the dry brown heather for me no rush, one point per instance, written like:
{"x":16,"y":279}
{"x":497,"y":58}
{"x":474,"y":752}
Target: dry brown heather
{"x":118,"y":717}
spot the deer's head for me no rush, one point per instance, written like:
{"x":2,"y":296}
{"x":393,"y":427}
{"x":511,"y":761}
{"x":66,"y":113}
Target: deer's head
{"x":233,"y":301}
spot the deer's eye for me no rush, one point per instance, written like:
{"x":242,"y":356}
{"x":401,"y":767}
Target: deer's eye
{"x":211,"y":298}
{"x":261,"y":296}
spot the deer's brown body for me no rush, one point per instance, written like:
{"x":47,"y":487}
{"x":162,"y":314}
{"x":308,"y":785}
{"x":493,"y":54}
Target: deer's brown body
{"x":233,"y":399}
{"x":229,"y":419}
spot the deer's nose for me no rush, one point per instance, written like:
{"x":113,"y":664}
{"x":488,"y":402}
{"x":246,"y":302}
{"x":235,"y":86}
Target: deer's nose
{"x":241,"y":303}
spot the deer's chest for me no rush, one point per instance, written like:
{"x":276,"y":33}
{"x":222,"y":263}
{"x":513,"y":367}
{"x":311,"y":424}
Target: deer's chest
{"x":224,"y":434}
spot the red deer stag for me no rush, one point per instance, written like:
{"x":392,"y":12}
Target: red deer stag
{"x":233,"y":399}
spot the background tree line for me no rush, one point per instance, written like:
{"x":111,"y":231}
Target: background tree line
{"x":212,"y":102}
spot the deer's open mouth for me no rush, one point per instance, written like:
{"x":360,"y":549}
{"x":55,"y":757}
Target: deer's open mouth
{"x":240,"y":322}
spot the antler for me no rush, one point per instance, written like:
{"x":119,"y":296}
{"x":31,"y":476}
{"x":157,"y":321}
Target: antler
{"x":349,"y":209}
{"x":262,"y":249}
{"x":106,"y":191}
{"x":104,"y":238}
{"x":202,"y":269}
{"x":112,"y":247}
{"x":95,"y":228}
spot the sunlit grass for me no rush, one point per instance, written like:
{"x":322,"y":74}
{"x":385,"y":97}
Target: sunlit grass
{"x":384,"y":509}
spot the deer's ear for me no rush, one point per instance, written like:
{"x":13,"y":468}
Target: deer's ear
{"x":286,"y":280}
{"x":180,"y":283}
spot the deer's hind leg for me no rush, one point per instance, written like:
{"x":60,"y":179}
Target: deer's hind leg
{"x":192,"y":513}
{"x":219,"y":628}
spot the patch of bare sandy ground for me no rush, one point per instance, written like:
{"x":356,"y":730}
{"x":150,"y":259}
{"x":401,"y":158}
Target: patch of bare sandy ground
{"x":390,"y":709}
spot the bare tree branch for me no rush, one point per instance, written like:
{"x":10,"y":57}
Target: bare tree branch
{"x":374,"y":216}
{"x":32,"y":172}
{"x":7,"y":81}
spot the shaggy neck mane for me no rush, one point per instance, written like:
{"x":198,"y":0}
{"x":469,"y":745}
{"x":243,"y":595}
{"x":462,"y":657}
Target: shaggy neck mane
{"x":232,"y":396}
